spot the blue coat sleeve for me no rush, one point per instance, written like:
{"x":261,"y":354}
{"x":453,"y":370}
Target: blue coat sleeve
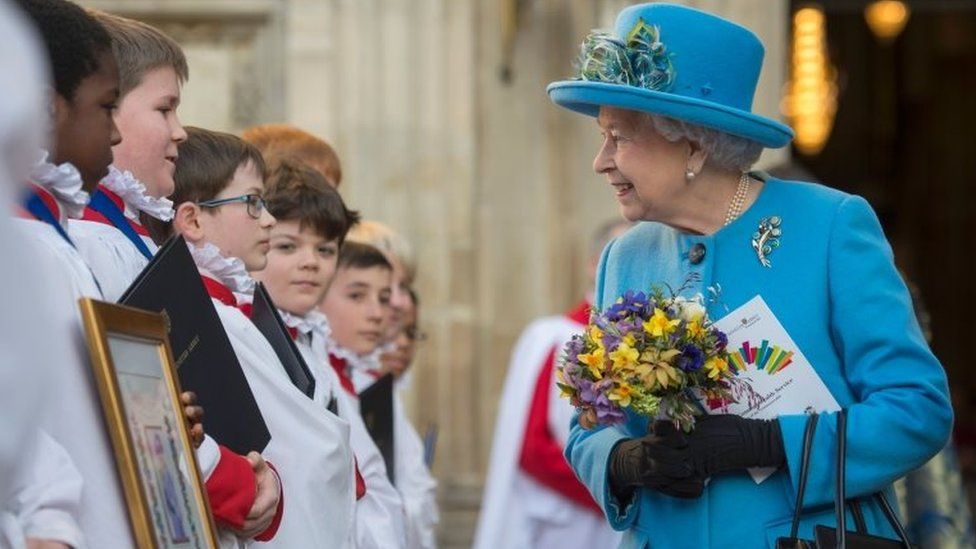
{"x":900,"y":415}
{"x":588,"y":451}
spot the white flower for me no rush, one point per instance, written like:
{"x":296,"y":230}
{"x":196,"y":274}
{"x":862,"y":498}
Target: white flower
{"x":690,"y":308}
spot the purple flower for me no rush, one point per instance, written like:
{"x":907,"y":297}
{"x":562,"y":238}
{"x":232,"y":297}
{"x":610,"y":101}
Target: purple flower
{"x":635,"y":326}
{"x":574,"y":347}
{"x":588,"y":392}
{"x":629,"y":304}
{"x":691,"y":358}
{"x":611,"y":339}
{"x":722,"y":340}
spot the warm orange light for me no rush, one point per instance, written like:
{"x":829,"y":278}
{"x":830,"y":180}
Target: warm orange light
{"x":810,"y":98}
{"x":887,"y":18}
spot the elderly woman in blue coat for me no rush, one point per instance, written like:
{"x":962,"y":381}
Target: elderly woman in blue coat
{"x":671,"y":90}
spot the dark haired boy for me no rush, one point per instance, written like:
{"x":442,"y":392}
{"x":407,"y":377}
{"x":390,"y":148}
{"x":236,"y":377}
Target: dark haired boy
{"x":357,"y":304}
{"x":85,"y":90}
{"x":221,"y":213}
{"x":312,"y":222}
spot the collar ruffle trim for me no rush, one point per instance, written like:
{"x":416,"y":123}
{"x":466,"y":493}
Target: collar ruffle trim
{"x":133,"y":193}
{"x":314,"y":323}
{"x":370,"y":362}
{"x":64,"y":182}
{"x":229,"y":271}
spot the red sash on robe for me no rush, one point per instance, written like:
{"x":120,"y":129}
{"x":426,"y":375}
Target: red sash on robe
{"x":236,"y":490}
{"x":340,"y":365}
{"x":223,"y":294}
{"x":542,"y":456}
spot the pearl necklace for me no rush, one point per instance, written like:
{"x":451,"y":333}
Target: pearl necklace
{"x":738,"y":199}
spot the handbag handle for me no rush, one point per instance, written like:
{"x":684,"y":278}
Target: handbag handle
{"x":801,"y":488}
{"x":839,"y":498}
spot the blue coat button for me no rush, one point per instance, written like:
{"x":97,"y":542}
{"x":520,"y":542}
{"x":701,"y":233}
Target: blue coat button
{"x":697,"y":253}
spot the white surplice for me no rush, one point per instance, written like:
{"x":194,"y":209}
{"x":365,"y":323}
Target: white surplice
{"x":379,"y":514}
{"x":412,"y":478}
{"x":516,"y":510}
{"x":40,"y":487}
{"x":115,"y":260}
{"x":75,"y":418}
{"x":310,"y":449}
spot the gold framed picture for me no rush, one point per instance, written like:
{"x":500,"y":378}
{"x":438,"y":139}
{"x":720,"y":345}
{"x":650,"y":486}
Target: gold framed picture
{"x":139,"y":390}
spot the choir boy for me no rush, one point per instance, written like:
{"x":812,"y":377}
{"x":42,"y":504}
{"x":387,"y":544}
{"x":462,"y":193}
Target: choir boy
{"x":357,"y":304}
{"x":312,"y":222}
{"x":110,"y":238}
{"x":220,"y":211}
{"x":85,"y":88}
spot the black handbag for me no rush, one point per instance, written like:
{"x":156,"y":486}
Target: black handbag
{"x":829,"y":537}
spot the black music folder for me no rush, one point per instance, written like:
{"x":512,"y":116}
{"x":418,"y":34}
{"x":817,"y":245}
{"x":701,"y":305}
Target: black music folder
{"x":265,"y":317}
{"x":205,"y":360}
{"x":376,"y":407}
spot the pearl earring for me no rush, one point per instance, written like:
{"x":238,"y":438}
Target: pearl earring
{"x":689,"y":175}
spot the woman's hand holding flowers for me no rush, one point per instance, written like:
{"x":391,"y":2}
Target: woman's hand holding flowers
{"x":654,"y":461}
{"x":722,"y":443}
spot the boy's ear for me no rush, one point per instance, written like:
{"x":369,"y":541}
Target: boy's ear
{"x":187,"y":222}
{"x":59,"y":108}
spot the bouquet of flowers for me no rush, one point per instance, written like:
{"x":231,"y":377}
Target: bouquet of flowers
{"x":654,"y":354}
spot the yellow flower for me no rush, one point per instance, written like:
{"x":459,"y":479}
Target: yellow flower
{"x":594,"y":361}
{"x":596,"y":334}
{"x":660,"y":325}
{"x":624,"y":355}
{"x":621,"y":394}
{"x":695,"y":329}
{"x":716,"y":367}
{"x":655,"y":367}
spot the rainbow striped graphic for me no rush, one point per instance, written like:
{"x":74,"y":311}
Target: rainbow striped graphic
{"x":769,"y":359}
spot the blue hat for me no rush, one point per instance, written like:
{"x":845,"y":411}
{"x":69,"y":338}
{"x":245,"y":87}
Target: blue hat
{"x":678,"y":62}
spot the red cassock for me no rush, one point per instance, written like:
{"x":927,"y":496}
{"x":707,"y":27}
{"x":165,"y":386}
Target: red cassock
{"x":532,"y":496}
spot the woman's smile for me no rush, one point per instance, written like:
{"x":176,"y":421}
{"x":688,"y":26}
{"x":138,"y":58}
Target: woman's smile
{"x":622,"y":188}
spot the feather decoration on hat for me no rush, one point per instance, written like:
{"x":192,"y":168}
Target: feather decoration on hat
{"x":641,"y":61}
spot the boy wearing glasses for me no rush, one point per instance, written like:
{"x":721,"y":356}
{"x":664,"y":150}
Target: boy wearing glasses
{"x":312,"y":222}
{"x":219,"y":181}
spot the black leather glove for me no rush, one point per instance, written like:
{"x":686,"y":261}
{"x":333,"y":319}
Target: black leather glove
{"x":647,"y":462}
{"x":723,"y":443}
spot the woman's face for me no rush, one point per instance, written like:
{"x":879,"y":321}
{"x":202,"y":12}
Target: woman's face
{"x":645,"y":170}
{"x":300,"y":265}
{"x":151,"y":131}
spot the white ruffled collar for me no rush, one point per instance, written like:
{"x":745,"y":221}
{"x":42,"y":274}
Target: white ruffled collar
{"x":64,"y":182}
{"x":133,"y":194}
{"x":314,"y":323}
{"x":229,"y":271}
{"x":367,"y":363}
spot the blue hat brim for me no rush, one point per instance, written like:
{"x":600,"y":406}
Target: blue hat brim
{"x":587,"y":97}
